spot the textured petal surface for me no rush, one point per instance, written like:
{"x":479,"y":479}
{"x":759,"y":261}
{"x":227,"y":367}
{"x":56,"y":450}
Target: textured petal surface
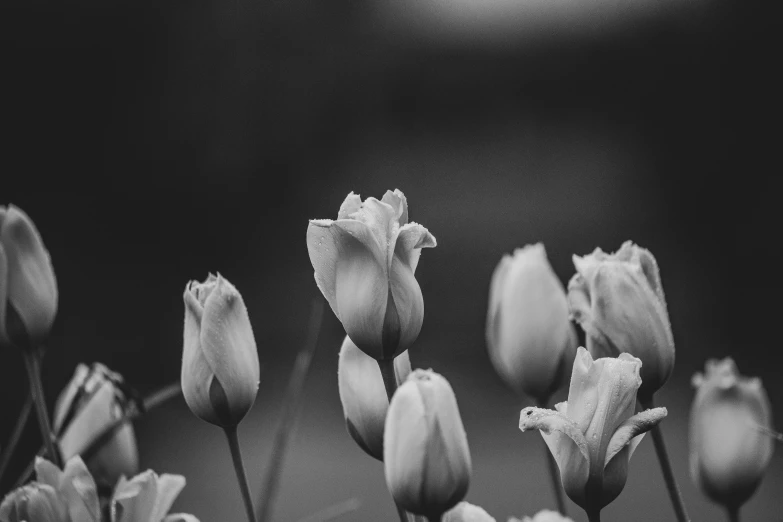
{"x":31,"y":285}
{"x":411,"y":238}
{"x":229,"y":347}
{"x":399,"y":203}
{"x":630,"y":432}
{"x":408,"y":303}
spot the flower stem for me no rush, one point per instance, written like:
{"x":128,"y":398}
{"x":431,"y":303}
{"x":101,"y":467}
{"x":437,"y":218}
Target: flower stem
{"x":236,"y":456}
{"x":554,"y":473}
{"x":36,"y":391}
{"x":290,"y":408}
{"x":390,"y":383}
{"x":733,"y":513}
{"x":666,"y":468}
{"x":594,"y":516}
{"x":16,"y":434}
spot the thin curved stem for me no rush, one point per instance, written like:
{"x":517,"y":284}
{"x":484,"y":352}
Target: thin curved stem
{"x":733,"y":513}
{"x":390,"y":383}
{"x":554,"y":473}
{"x":666,"y":468}
{"x":290,"y":410}
{"x":36,"y":390}
{"x":16,"y":434}
{"x":239,"y":467}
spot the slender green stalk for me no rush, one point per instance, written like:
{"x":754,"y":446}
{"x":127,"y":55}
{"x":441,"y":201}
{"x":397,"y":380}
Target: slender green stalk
{"x":390,"y":383}
{"x":290,"y":409}
{"x":666,"y":468}
{"x":239,"y":467}
{"x":16,"y":434}
{"x":733,"y":513}
{"x":36,"y":390}
{"x":594,"y":516}
{"x":554,"y":473}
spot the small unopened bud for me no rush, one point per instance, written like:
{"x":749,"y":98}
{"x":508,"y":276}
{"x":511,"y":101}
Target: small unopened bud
{"x":425,"y":453}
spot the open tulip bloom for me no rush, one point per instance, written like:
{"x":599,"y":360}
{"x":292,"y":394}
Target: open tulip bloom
{"x":593,"y":435}
{"x":364,"y":265}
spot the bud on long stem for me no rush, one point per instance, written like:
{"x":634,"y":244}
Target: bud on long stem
{"x":239,"y":467}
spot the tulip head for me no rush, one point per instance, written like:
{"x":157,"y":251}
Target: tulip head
{"x":34,"y":502}
{"x":593,"y":435}
{"x":28,"y":289}
{"x":94,"y":399}
{"x":618,"y":299}
{"x":730,"y":448}
{"x":220,"y":369}
{"x":74,"y":486}
{"x":364,"y":265}
{"x":425,"y":454}
{"x":464,"y":512}
{"x":545,"y":515}
{"x":363,"y":395}
{"x":530,"y":338}
{"x":148,"y":497}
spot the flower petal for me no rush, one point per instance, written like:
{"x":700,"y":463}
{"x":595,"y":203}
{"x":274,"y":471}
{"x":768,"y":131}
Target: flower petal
{"x":411,"y":238}
{"x":229,"y":347}
{"x":352,"y":203}
{"x":567,"y":444}
{"x":169,"y":486}
{"x":406,"y":295}
{"x":630,"y":432}
{"x":134,"y":500}
{"x":197,"y":374}
{"x":31,"y":286}
{"x":78,"y":487}
{"x":399,"y":203}
{"x":65,"y":402}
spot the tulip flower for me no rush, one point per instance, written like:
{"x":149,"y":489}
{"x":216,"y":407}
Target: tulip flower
{"x":364,"y":265}
{"x":464,"y":512}
{"x":425,"y":453}
{"x":220,"y":369}
{"x":74,"y":485}
{"x":593,"y":435}
{"x":28,"y":289}
{"x":530,"y":338}
{"x":730,"y":422}
{"x":545,"y":515}
{"x":148,"y":497}
{"x":363,"y":395}
{"x":94,"y":400}
{"x":618,"y":299}
{"x":34,"y":502}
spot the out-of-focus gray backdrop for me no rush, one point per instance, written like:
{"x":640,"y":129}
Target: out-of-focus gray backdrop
{"x":153,"y":142}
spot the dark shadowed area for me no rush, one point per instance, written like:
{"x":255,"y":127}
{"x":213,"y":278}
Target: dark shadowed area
{"x":154,"y":142}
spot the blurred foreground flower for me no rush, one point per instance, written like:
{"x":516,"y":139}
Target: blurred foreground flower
{"x":618,"y":299}
{"x":148,"y":497}
{"x":544,"y":515}
{"x":28,"y":289}
{"x":364,"y":397}
{"x":34,"y":502}
{"x":593,"y":435}
{"x":426,"y":455}
{"x":530,"y":338}
{"x":730,"y":446}
{"x":464,"y":512}
{"x":364,"y":265}
{"x":94,"y":400}
{"x":220,"y":369}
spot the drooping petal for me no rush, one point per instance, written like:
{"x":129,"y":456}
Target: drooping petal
{"x":229,"y":347}
{"x":567,"y":444}
{"x":169,"y":487}
{"x":411,"y":238}
{"x":31,"y":285}
{"x":196,"y":375}
{"x":399,"y":203}
{"x":630,"y":432}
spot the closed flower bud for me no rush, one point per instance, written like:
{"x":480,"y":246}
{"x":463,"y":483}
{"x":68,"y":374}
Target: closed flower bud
{"x":464,"y":512}
{"x":618,"y":299}
{"x":530,"y":338}
{"x":730,"y":426}
{"x":34,"y":502}
{"x":220,"y":369}
{"x":545,"y":515}
{"x":95,"y":399}
{"x":593,"y":435}
{"x":28,"y":289}
{"x":363,"y":395}
{"x":148,"y":497}
{"x":364,"y":265}
{"x":425,"y":454}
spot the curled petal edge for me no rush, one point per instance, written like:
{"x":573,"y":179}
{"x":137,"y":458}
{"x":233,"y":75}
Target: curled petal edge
{"x":630,"y":432}
{"x":548,"y":421}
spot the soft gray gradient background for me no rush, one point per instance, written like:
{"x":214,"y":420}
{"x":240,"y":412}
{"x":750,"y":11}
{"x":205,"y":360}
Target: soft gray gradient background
{"x":153,"y":142}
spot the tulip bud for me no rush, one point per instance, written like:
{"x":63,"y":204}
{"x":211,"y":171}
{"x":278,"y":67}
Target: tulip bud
{"x":95,"y":399}
{"x":530,"y":338}
{"x":618,"y":299}
{"x":363,"y":395}
{"x":34,"y":503}
{"x":730,"y":422}
{"x":425,"y":454}
{"x":593,"y":435}
{"x":545,"y":515}
{"x":464,"y":512}
{"x":364,"y":265}
{"x":220,"y":369}
{"x":28,"y":289}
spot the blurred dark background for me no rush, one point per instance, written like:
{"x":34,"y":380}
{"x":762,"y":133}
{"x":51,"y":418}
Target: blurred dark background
{"x":153,"y":142}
